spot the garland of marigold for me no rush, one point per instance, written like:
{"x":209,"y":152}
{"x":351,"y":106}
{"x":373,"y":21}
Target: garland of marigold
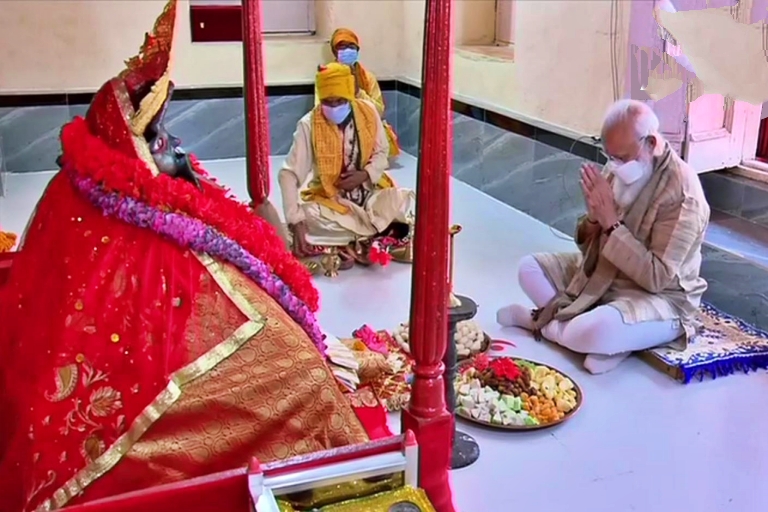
{"x":92,"y":159}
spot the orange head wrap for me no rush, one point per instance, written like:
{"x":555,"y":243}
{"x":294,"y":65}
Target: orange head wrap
{"x":344,"y":35}
{"x":335,"y":80}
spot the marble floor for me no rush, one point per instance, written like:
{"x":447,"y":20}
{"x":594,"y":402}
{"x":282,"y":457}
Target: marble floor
{"x":641,"y":443}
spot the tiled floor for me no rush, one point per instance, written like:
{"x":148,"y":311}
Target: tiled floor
{"x":642,"y":442}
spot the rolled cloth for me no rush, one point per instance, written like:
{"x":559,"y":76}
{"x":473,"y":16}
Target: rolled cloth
{"x":335,"y":80}
{"x":344,"y":35}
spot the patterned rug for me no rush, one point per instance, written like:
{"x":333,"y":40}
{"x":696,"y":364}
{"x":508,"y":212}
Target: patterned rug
{"x":724,"y":345}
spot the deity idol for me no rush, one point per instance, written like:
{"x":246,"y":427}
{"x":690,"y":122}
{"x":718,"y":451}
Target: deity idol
{"x":154,"y":329}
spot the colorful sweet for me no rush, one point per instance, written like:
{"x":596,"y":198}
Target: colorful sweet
{"x":553,"y":386}
{"x":513,"y":392}
{"x":469,"y":338}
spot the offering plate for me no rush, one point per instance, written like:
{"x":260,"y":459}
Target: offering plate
{"x":460,"y":412}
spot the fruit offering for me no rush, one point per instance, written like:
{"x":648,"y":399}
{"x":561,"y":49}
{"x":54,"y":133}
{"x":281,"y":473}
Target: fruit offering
{"x":469,"y":338}
{"x":509,"y":392}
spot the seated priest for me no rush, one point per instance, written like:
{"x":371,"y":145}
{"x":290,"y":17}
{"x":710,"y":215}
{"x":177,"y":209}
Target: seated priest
{"x":635,"y":281}
{"x":154,"y":329}
{"x":335,"y":190}
{"x":345,"y":46}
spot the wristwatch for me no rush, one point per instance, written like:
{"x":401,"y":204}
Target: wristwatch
{"x":613,"y":228}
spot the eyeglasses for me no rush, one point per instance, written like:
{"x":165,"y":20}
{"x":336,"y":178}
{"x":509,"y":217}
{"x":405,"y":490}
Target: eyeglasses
{"x":618,"y":160}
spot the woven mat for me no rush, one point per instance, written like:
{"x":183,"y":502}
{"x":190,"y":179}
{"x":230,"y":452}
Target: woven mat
{"x":724,"y":345}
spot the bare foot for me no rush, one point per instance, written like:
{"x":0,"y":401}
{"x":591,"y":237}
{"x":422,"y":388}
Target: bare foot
{"x":515,"y":315}
{"x":597,"y":364}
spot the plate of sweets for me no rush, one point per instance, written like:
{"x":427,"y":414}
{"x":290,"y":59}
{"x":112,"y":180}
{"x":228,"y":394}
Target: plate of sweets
{"x":510,"y":393}
{"x":470,"y":339}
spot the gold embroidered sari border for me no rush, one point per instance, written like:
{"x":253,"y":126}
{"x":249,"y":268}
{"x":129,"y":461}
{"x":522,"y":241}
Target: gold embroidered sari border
{"x":219,"y":274}
{"x":164,"y":400}
{"x":127,"y":110}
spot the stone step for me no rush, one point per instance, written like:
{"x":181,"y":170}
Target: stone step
{"x":740,"y":237}
{"x":737,"y":195}
{"x":735,"y":265}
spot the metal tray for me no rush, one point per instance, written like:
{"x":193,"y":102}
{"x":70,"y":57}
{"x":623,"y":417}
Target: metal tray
{"x":526,"y":428}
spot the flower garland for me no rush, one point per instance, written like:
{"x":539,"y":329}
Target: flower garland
{"x":379,"y":253}
{"x":195,"y":235}
{"x":91,"y":158}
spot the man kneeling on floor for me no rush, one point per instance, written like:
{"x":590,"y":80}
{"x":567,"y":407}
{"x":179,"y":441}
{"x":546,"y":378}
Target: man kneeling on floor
{"x":635,"y":283}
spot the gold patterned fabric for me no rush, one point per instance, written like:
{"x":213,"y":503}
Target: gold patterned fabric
{"x":405,"y":499}
{"x":154,"y":364}
{"x":273,"y":398}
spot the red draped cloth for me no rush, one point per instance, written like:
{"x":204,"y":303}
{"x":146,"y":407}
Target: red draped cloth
{"x":132,"y":362}
{"x":762,"y":141}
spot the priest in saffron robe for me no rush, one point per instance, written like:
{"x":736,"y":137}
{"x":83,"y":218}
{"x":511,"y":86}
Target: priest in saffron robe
{"x":345,"y":46}
{"x":340,"y":151}
{"x":158,"y":330}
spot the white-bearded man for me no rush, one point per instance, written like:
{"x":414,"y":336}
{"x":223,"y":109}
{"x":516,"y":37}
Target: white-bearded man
{"x":635,"y":281}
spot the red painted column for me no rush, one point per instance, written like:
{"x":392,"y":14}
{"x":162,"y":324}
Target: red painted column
{"x":426,"y":414}
{"x":256,"y":114}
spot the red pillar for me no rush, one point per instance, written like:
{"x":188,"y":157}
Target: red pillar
{"x":256,"y":114}
{"x":426,"y":414}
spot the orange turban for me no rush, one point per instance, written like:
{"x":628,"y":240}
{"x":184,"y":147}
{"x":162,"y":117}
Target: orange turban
{"x":335,"y":80}
{"x":344,"y":35}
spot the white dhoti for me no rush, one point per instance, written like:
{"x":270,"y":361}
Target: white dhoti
{"x":327,"y":227}
{"x":601,"y":333}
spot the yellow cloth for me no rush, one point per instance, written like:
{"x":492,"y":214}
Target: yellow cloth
{"x":326,"y":227}
{"x":394,"y":145}
{"x":328,"y":149}
{"x":366,"y":81}
{"x":7,"y":241}
{"x":335,"y":80}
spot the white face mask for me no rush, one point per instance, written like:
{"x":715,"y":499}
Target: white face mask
{"x":629,"y":172}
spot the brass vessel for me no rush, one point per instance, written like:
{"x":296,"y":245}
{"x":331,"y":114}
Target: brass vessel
{"x":331,"y":262}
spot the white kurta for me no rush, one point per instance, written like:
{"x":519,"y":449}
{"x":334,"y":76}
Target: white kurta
{"x":326,"y":227}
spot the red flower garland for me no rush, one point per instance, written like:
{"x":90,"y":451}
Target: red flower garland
{"x":91,"y":158}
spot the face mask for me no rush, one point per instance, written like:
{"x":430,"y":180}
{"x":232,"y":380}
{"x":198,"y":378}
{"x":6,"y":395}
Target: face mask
{"x":629,"y":172}
{"x":347,"y":56}
{"x":337,"y":114}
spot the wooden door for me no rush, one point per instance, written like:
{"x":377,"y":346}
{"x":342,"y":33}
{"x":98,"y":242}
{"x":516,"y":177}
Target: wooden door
{"x":711,"y":132}
{"x":721,"y":132}
{"x":646,"y":47}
